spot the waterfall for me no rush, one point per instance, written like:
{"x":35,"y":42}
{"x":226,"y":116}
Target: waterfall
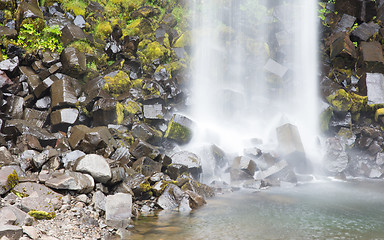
{"x":254,"y":68}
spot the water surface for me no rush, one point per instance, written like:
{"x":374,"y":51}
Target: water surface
{"x":323,"y":210}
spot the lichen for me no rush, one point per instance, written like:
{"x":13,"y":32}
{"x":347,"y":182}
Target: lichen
{"x":12,"y":180}
{"x":343,"y":101}
{"x":178,"y":132}
{"x":124,"y":109}
{"x":145,"y":187}
{"x":19,"y":194}
{"x":118,"y":84}
{"x":103,"y":30}
{"x":41,"y":215}
{"x":379,"y":112}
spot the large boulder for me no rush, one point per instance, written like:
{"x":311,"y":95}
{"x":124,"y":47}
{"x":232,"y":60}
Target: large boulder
{"x":146,"y":166}
{"x":336,"y":159}
{"x":95,"y":165}
{"x":74,"y":181}
{"x":118,"y":210}
{"x":172,"y":198}
{"x":179,"y":129}
{"x":142,"y":149}
{"x":74,"y":62}
{"x":8,"y":179}
{"x":189,"y":159}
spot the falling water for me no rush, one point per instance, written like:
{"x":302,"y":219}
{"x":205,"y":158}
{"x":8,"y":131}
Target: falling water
{"x":254,"y":68}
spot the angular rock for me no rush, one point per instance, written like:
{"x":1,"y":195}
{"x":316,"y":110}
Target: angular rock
{"x":118,"y":210}
{"x":365,"y":30}
{"x":179,"y":129}
{"x":372,"y":57}
{"x":146,"y":166}
{"x":276,"y":68}
{"x":6,"y":157}
{"x":121,"y":155}
{"x":33,"y":79}
{"x":99,"y":200}
{"x":35,"y":117}
{"x":49,"y":58}
{"x":342,"y":46}
{"x":73,"y":62}
{"x":43,"y":103}
{"x":147,"y":133}
{"x":9,"y":65}
{"x":8,"y":179}
{"x":171,"y":197}
{"x":71,"y":33}
{"x":74,"y":181}
{"x":335,"y":159}
{"x":12,"y":215}
{"x":345,"y":24}
{"x":95,"y":165}
{"x":154,"y":112}
{"x":4,"y":79}
{"x":375,"y":88}
{"x":69,"y":158}
{"x":15,"y":107}
{"x":245,"y":164}
{"x":104,"y":112}
{"x":63,"y":94}
{"x":77,"y":134}
{"x":279,"y":172}
{"x":142,"y":149}
{"x":11,"y":232}
{"x":64,"y":117}
{"x":189,"y":159}
{"x":27,"y":10}
{"x":175,"y":170}
{"x":8,"y":32}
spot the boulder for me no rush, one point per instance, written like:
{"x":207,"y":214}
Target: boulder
{"x":35,"y":116}
{"x":71,"y":33}
{"x":63,"y":94}
{"x":375,"y":88}
{"x":245,"y":164}
{"x":10,"y":65}
{"x":4,"y":80}
{"x":146,"y":133}
{"x":15,"y":107}
{"x":74,"y":181}
{"x":33,"y":79}
{"x":6,"y":157}
{"x":342,"y":46}
{"x":365,"y":30}
{"x":62,"y":118}
{"x":27,"y":10}
{"x":372,"y":59}
{"x":8,"y":179}
{"x":8,"y":32}
{"x":104,"y":112}
{"x":74,"y":62}
{"x":335,"y":159}
{"x":69,"y":158}
{"x":171,"y":197}
{"x":275,"y":68}
{"x":10,"y":232}
{"x":345,"y":24}
{"x":176,"y":170}
{"x":118,"y":210}
{"x":179,"y":129}
{"x":99,"y":200}
{"x":95,"y":165}
{"x":153,"y":112}
{"x":279,"y":172}
{"x":142,"y":149}
{"x":146,"y":166}
{"x":189,"y":159}
{"x":12,"y":215}
{"x":50,"y":58}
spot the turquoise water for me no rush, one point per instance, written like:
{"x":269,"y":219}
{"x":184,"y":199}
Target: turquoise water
{"x":324,"y":210}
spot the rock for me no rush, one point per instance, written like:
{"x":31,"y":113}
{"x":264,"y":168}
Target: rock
{"x":27,"y":10}
{"x":104,"y":112}
{"x":142,"y":149}
{"x":372,"y":57}
{"x":71,"y":33}
{"x":245,"y":164}
{"x":175,"y":170}
{"x":6,"y":157}
{"x":99,"y":200}
{"x":11,"y":232}
{"x":79,"y":21}
{"x":8,"y":32}
{"x":4,"y":79}
{"x":74,"y":181}
{"x":12,"y":215}
{"x":276,"y":68}
{"x":147,"y":133}
{"x":73,"y":62}
{"x":63,"y":118}
{"x":40,"y":159}
{"x":375,"y":173}
{"x":375,"y":88}
{"x":77,"y":135}
{"x":345,"y":24}
{"x":278,"y":173}
{"x":365,"y":30}
{"x":95,"y":165}
{"x":43,"y":103}
{"x":171,"y":197}
{"x":146,"y":166}
{"x":63,"y":94}
{"x":335,"y":159}
{"x":15,"y":107}
{"x":121,"y":155}
{"x":118,"y":210}
{"x":69,"y":158}
{"x":9,"y":65}
{"x":179,"y":129}
{"x":145,"y":12}
{"x":153,"y":112}
{"x":342,"y":46}
{"x":380,"y":158}
{"x":33,"y":79}
{"x":31,"y":232}
{"x":50,"y":58}
{"x":189,"y":159}
{"x":374,"y":148}
{"x":36,"y":117}
{"x":292,"y":148}
{"x":8,"y":179}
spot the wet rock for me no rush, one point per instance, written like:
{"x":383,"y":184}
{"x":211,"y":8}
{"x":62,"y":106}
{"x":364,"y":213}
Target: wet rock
{"x":380,"y":158}
{"x":104,"y":111}
{"x":63,"y":118}
{"x":142,"y":149}
{"x":374,"y":148}
{"x":147,"y":133}
{"x":146,"y":166}
{"x":341,"y":120}
{"x":9,"y":65}
{"x":372,"y":57}
{"x":35,"y":117}
{"x":191,"y":160}
{"x":55,"y":68}
{"x":71,"y":33}
{"x":33,"y":79}
{"x":171,"y":197}
{"x":74,"y":181}
{"x":79,"y":21}
{"x":154,"y":112}
{"x":95,"y":165}
{"x":118,"y":210}
{"x":43,"y":103}
{"x":8,"y":179}
{"x":345,"y":24}
{"x":279,"y":172}
{"x":15,"y":51}
{"x":121,"y":155}
{"x":63,"y":94}
{"x":342,"y":46}
{"x":112,"y":49}
{"x":176,"y":170}
{"x":292,"y":148}
{"x":187,"y":183}
{"x":10,"y":232}
{"x":50,"y":58}
{"x":335,"y":159}
{"x":4,"y":79}
{"x":73,"y":62}
{"x":8,"y":32}
{"x":365,"y":30}
{"x":245,"y":164}
{"x":276,"y":68}
{"x":15,"y":107}
{"x":27,"y":10}
{"x":16,"y":127}
{"x":145,"y":12}
{"x":77,"y":134}
{"x":375,"y":88}
{"x":179,"y":129}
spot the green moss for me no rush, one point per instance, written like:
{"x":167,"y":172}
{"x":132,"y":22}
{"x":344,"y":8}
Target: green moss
{"x":128,"y":108}
{"x":150,"y":90}
{"x":103,"y":30}
{"x":20,"y":194}
{"x":40,"y":215}
{"x":76,"y":6}
{"x":12,"y":180}
{"x":379,"y":112}
{"x":178,"y":132}
{"x":145,"y":186}
{"x":183,"y":40}
{"x":82,"y":46}
{"x":118,"y":84}
{"x":343,"y":101}
{"x":325,"y":117}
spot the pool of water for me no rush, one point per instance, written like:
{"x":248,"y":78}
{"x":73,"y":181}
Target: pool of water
{"x":322,"y":210}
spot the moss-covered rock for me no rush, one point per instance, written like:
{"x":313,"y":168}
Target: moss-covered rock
{"x":325,"y":117}
{"x":343,"y":101}
{"x":117,"y":82}
{"x":41,"y":215}
{"x":179,"y":129}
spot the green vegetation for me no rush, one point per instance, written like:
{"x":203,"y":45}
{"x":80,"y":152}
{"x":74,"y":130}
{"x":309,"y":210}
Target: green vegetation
{"x":118,"y":84}
{"x":31,"y":39}
{"x":40,"y":215}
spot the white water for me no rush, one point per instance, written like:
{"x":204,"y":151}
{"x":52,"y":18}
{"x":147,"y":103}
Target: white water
{"x":235,"y":97}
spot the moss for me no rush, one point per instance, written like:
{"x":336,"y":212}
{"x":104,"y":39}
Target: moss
{"x":178,"y":132}
{"x":19,"y":194}
{"x":128,"y":108}
{"x":82,"y":46}
{"x":325,"y":117}
{"x":12,"y":180}
{"x":145,"y":186}
{"x":40,"y":215}
{"x":343,"y":101}
{"x":183,"y":40}
{"x":149,"y":90}
{"x":76,"y":6}
{"x":132,"y":29}
{"x":119,"y":113}
{"x":118,"y":84}
{"x":103,"y":30}
{"x":379,"y":112}
{"x":37,"y":23}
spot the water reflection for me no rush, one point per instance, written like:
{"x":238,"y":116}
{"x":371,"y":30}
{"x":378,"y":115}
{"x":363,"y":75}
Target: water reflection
{"x":327,"y":210}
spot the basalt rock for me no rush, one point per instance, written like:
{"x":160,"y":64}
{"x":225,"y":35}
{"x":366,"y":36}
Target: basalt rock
{"x":61,"y":119}
{"x":71,"y":33}
{"x":142,"y":149}
{"x":95,"y":165}
{"x":364,"y":31}
{"x":372,"y":59}
{"x":336,"y":159}
{"x":27,"y":10}
{"x":375,"y":88}
{"x":154,"y":112}
{"x":279,"y":172}
{"x":74,"y":181}
{"x":146,"y":166}
{"x":63,"y":94}
{"x":33,"y":79}
{"x":15,"y":107}
{"x":189,"y":159}
{"x":147,"y":133}
{"x":73,"y":62}
{"x":179,"y":129}
{"x":8,"y":179}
